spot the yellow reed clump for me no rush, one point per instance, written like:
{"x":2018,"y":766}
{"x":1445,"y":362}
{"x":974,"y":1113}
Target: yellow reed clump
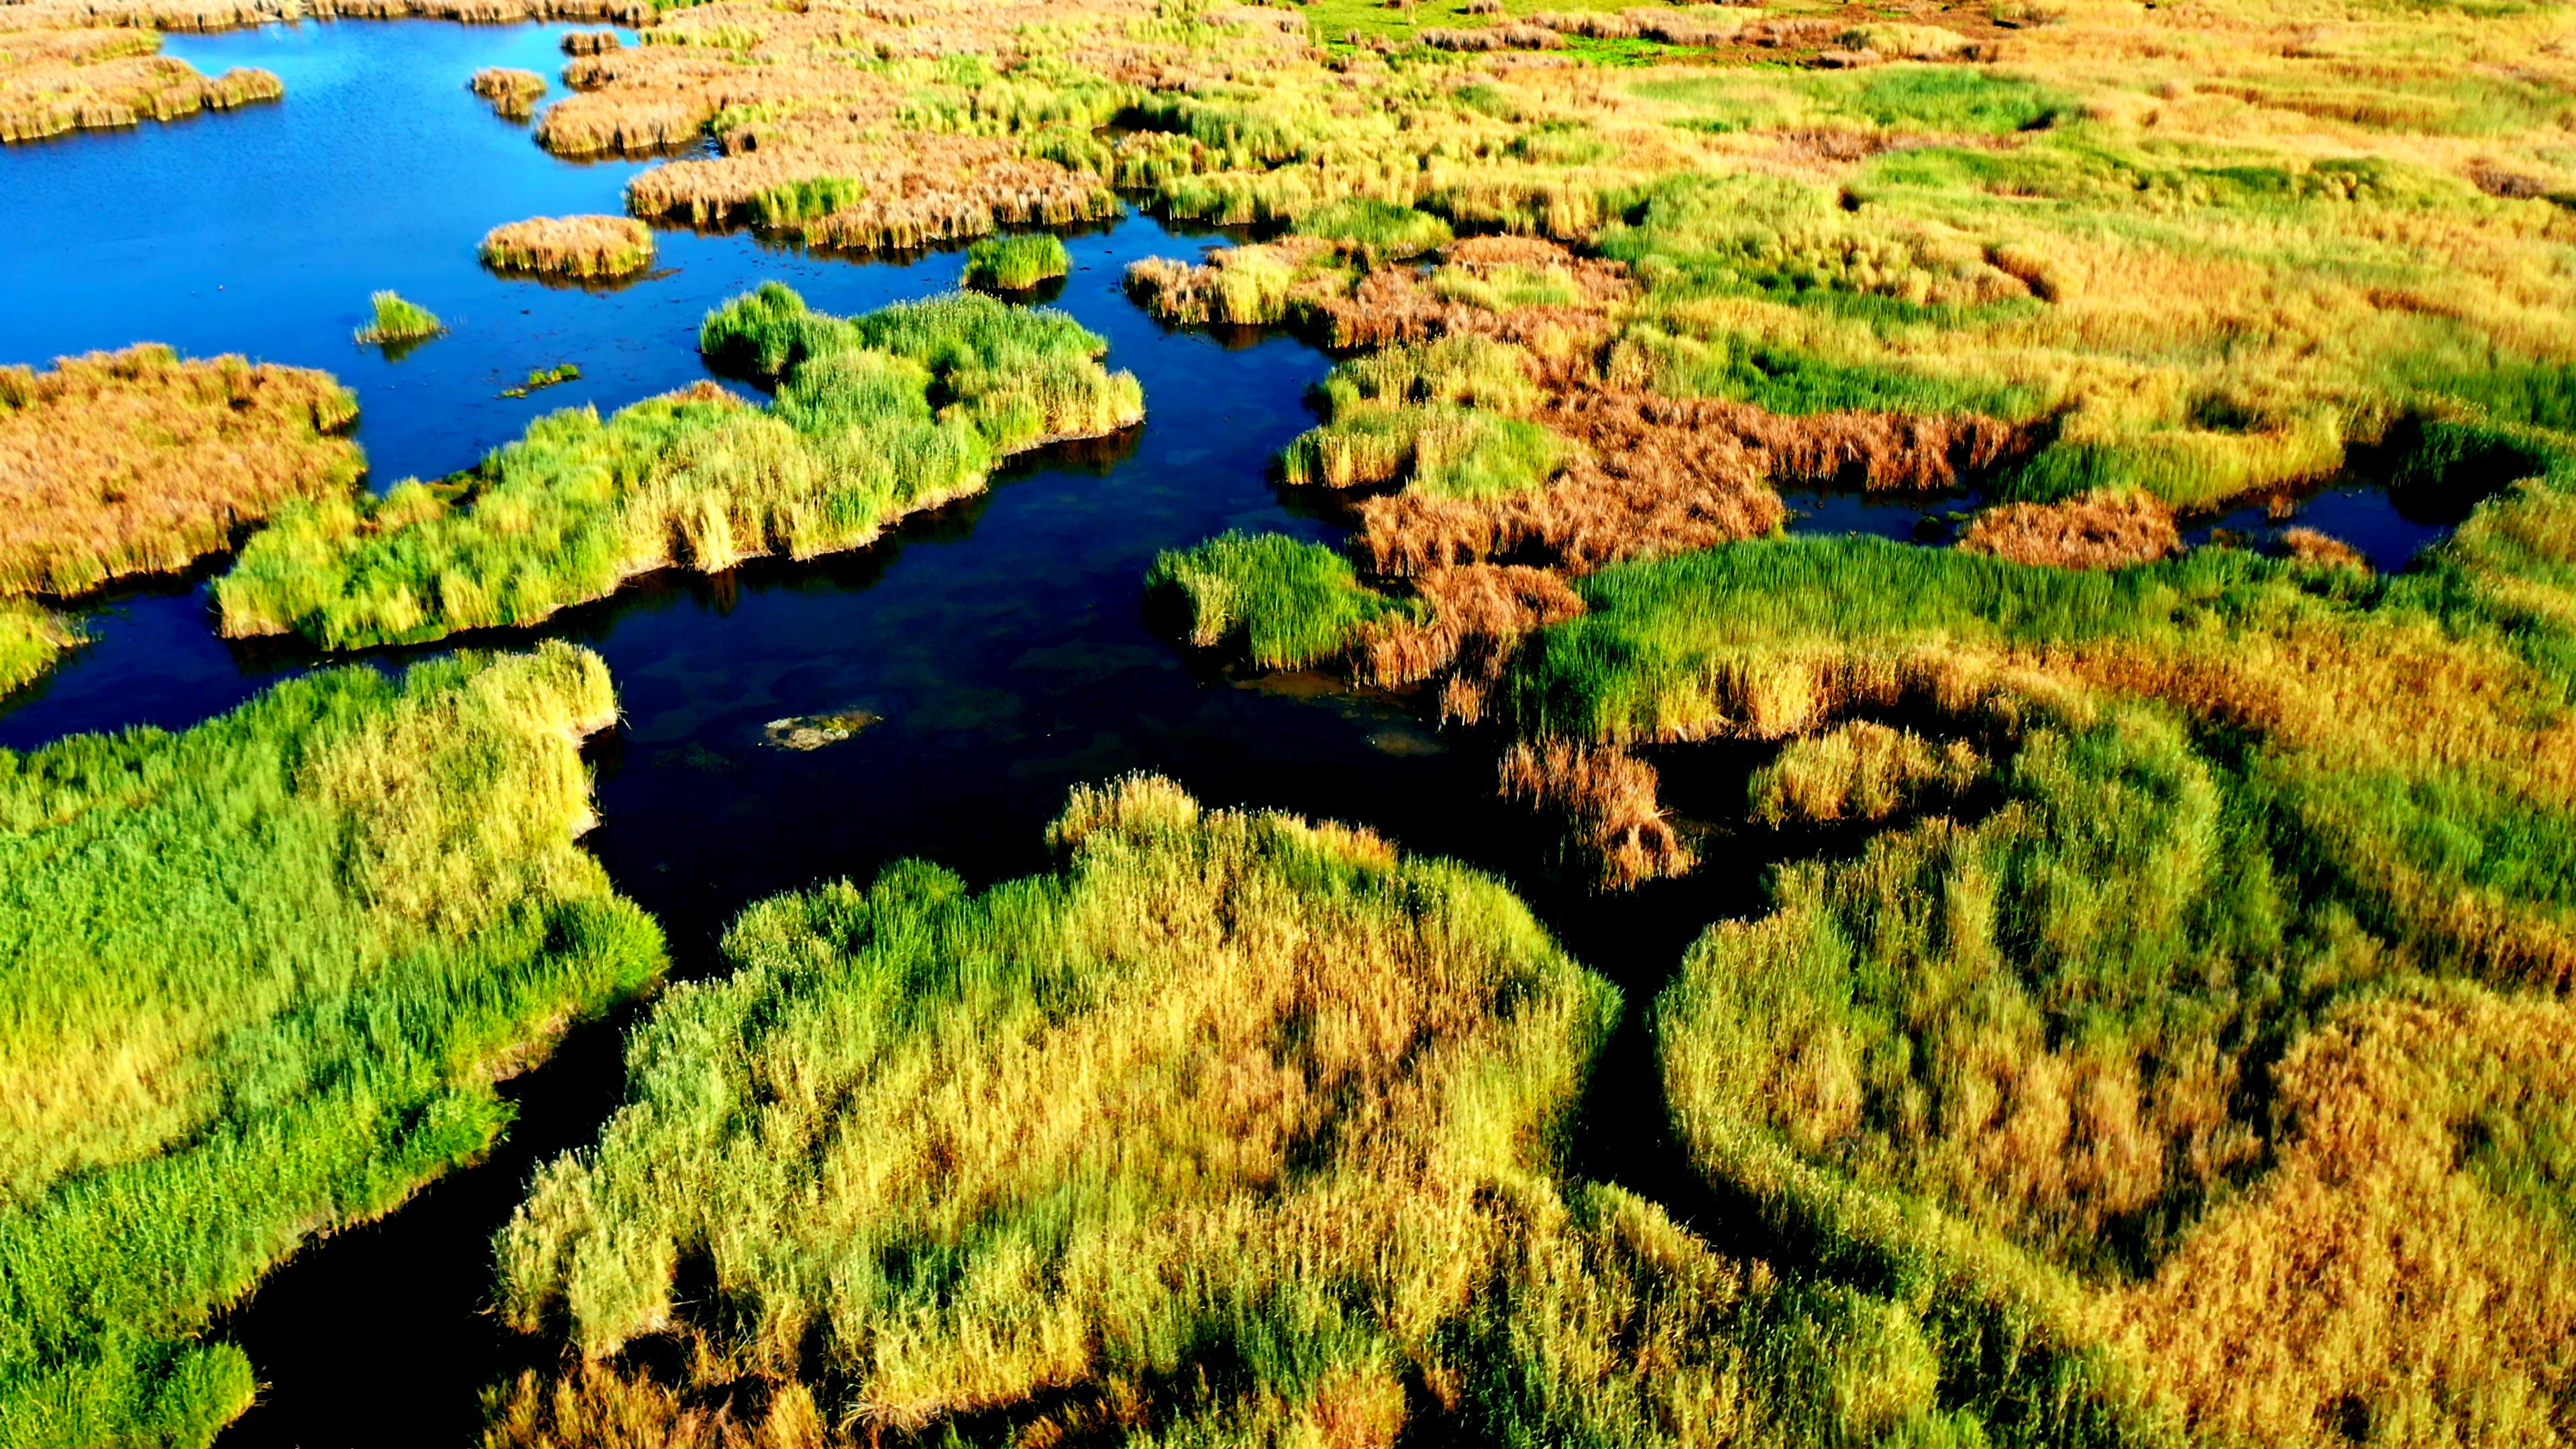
{"x":570,"y":246}
{"x":138,"y":461}
{"x":513,"y":93}
{"x":52,"y":81}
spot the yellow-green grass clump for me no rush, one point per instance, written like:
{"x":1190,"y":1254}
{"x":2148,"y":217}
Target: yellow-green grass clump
{"x":1274,"y":601}
{"x":139,"y":461}
{"x":31,"y":639}
{"x":2187,"y":1014}
{"x":257,"y":980}
{"x":513,"y":93}
{"x":53,"y":81}
{"x":397,"y":321}
{"x":587,"y":247}
{"x":1231,"y":1129}
{"x":696,"y":479}
{"x":1016,"y":263}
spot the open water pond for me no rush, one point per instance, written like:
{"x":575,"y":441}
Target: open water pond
{"x":981,"y":661}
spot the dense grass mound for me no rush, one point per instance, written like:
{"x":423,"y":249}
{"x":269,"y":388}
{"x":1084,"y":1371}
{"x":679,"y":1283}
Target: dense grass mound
{"x":585,"y":247}
{"x":256,"y":981}
{"x":1016,"y":263}
{"x":1275,"y":601}
{"x":398,"y":321}
{"x":697,"y":479}
{"x":2206,"y":982}
{"x":1234,"y":1129}
{"x":139,"y":462}
{"x":54,"y":80}
{"x":31,"y":639}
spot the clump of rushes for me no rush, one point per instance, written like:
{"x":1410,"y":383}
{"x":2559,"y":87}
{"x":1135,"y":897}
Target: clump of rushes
{"x":54,"y":80}
{"x":875,"y":417}
{"x":31,"y":639}
{"x":137,"y":462}
{"x":1278,"y":602}
{"x":586,"y":247}
{"x":1133,"y":1241}
{"x":513,"y":93}
{"x":257,"y":980}
{"x":545,"y":377}
{"x":591,"y":42}
{"x":1375,"y":231}
{"x":1016,"y":263}
{"x":397,"y":322}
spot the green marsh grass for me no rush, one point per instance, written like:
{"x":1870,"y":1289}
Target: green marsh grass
{"x":31,"y":639}
{"x":256,"y":981}
{"x":1279,"y":602}
{"x":2065,"y":1045}
{"x":1016,"y":263}
{"x":397,"y":321}
{"x":696,"y":479}
{"x":1230,"y":1129}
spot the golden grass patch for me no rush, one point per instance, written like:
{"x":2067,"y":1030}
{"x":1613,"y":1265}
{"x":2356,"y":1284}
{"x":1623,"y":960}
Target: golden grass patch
{"x":141,"y":462}
{"x":570,"y":246}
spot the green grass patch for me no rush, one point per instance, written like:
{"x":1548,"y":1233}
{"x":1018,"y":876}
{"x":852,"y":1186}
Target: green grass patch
{"x":32,"y":637}
{"x":398,"y":321}
{"x":1279,"y":602}
{"x":697,"y":479}
{"x":1016,"y":263}
{"x":1374,"y":231}
{"x":1229,"y":1129}
{"x":256,"y":980}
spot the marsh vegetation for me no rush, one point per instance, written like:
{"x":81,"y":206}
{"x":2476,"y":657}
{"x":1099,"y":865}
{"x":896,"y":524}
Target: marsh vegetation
{"x":2153,"y":1025}
{"x":698,"y":479}
{"x":587,"y":247}
{"x":397,"y":322}
{"x":256,"y":982}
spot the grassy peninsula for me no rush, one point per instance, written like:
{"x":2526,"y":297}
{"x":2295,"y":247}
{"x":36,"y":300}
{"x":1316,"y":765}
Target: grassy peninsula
{"x":256,"y":981}
{"x":698,"y":479}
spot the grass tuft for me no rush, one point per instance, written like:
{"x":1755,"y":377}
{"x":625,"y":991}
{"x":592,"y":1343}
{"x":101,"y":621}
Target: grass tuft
{"x":397,"y":321}
{"x":1016,"y":263}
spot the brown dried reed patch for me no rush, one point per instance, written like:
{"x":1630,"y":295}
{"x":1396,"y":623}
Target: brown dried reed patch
{"x":570,"y":246}
{"x":1398,"y":304}
{"x":1477,"y":615}
{"x":1661,"y":475}
{"x":1492,"y":37}
{"x":591,"y":42}
{"x":2368,"y":1278}
{"x":2103,"y":529}
{"x":513,"y":93}
{"x":2309,"y":546}
{"x":137,"y":462}
{"x":1606,"y":799}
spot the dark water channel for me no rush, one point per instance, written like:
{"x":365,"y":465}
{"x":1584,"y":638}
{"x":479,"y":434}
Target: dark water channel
{"x":1003,"y":641}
